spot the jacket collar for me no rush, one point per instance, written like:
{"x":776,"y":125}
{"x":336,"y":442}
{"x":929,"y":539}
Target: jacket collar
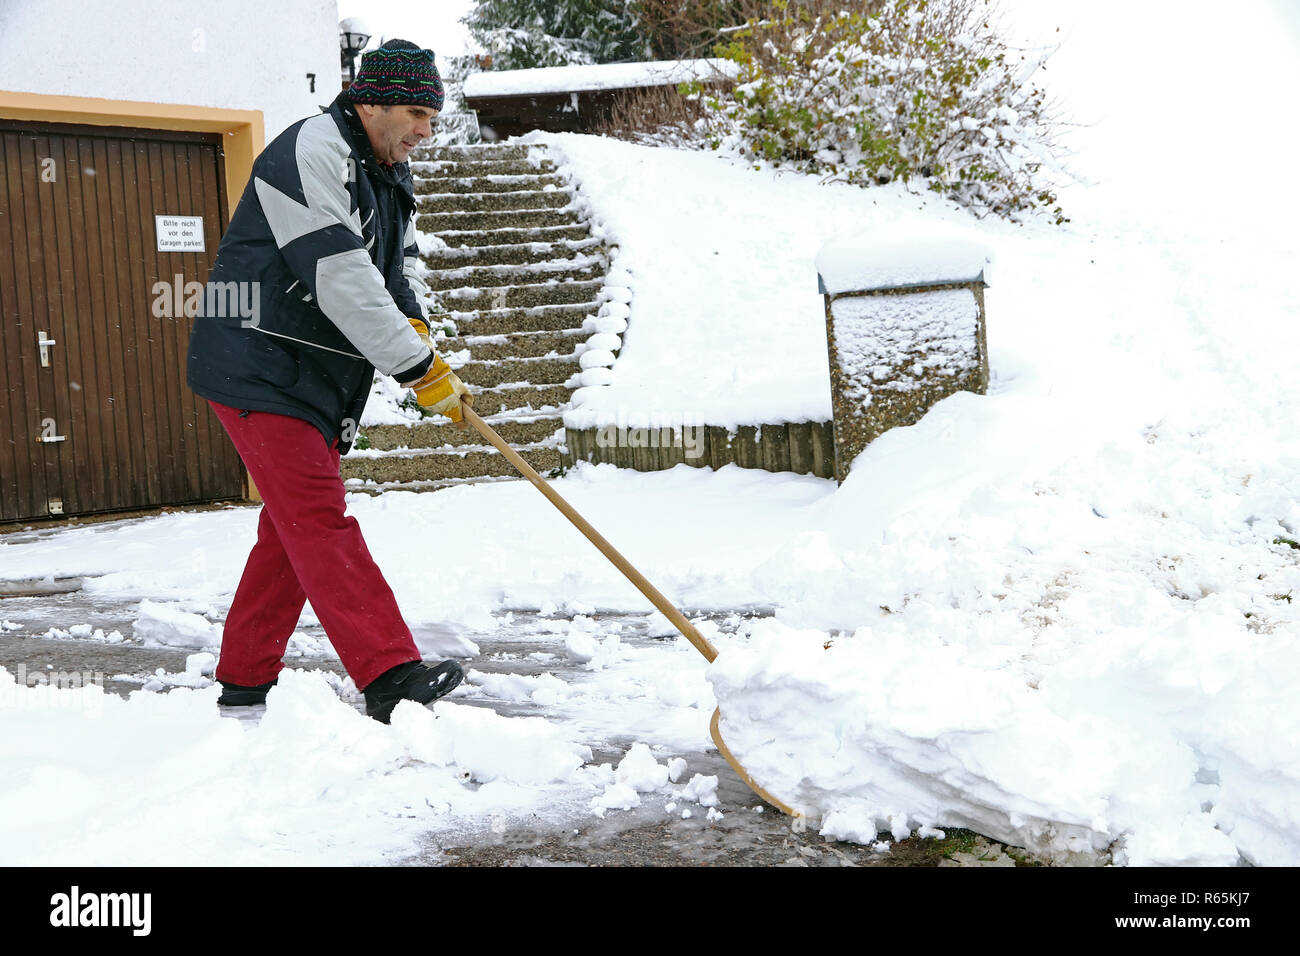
{"x":349,"y":123}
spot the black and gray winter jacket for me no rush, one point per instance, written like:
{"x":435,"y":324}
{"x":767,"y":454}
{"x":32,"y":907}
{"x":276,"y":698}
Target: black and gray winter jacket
{"x":314,"y":281}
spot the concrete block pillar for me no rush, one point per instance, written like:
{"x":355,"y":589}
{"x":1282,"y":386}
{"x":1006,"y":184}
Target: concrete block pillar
{"x":905,"y":327}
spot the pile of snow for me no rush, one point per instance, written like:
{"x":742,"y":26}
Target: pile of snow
{"x":85,"y":632}
{"x":640,"y":770}
{"x":168,"y":625}
{"x":637,"y":773}
{"x":1101,"y":755}
{"x":544,"y":689}
{"x":216,"y":788}
{"x":925,"y":255}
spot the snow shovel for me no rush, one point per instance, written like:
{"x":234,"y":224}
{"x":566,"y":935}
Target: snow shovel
{"x":632,"y":574}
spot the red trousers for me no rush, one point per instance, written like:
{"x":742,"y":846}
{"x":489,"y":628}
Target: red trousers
{"x":307,"y":549}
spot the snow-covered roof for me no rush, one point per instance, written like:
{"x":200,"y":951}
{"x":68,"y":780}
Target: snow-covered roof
{"x":603,"y":76}
{"x":897,"y":259}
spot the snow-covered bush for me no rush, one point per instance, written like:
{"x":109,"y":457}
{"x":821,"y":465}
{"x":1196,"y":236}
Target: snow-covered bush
{"x":653,"y":116}
{"x":523,"y":34}
{"x":458,"y":124}
{"x":689,"y":29}
{"x":870,"y":92}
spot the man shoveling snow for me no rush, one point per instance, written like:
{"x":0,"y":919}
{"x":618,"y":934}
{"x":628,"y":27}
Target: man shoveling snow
{"x":325,"y":236}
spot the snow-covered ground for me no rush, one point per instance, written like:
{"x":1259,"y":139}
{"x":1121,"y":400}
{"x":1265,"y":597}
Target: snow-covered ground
{"x":1065,"y":614}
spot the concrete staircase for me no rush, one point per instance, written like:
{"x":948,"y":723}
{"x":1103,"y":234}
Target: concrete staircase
{"x":521,"y":276}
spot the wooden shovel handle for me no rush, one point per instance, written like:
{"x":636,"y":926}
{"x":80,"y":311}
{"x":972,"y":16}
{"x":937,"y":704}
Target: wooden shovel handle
{"x":608,"y":550}
{"x":636,"y":577}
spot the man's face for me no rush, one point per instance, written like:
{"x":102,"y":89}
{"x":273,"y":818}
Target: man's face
{"x":395,"y":130}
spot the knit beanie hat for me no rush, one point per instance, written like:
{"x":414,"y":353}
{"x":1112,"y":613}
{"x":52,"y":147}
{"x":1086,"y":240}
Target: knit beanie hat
{"x":398,"y":73}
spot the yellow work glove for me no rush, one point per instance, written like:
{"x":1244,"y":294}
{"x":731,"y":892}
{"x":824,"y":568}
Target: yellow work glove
{"x":440,"y":390}
{"x":425,"y":332}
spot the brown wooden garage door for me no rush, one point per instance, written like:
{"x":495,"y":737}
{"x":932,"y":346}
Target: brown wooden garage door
{"x":100,"y":419}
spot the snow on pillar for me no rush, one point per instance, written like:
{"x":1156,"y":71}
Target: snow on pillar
{"x":904,"y":327}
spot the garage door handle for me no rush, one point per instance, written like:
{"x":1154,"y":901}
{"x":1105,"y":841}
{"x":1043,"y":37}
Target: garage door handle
{"x":44,"y":345}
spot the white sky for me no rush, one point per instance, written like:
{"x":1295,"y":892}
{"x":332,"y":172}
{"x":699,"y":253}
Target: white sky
{"x":1185,"y":103}
{"x":430,"y":23}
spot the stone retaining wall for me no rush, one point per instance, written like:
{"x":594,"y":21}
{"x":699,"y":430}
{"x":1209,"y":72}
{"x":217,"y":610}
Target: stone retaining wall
{"x":895,"y":352}
{"x":806,"y":448}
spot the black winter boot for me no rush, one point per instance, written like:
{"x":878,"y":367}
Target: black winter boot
{"x":414,"y":680}
{"x":236,"y":695}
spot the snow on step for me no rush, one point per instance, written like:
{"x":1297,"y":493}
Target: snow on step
{"x":539,"y":318}
{"x":487,"y":185}
{"x":561,"y":344}
{"x":506,"y":236}
{"x":535,"y":371}
{"x":434,"y":169}
{"x":478,"y":153}
{"x":484,"y":219}
{"x":448,"y":448}
{"x":475,"y":299}
{"x":456,"y":462}
{"x":525,"y":271}
{"x":517,"y":429}
{"x":512,"y":253}
{"x":530,"y":199}
{"x":529,"y":399}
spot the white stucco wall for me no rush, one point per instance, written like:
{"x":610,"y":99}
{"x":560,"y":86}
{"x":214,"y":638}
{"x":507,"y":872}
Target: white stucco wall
{"x":238,"y":54}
